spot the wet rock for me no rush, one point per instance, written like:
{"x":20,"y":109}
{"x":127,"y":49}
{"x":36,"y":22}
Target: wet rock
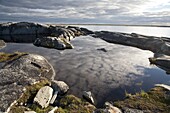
{"x":162,"y":61}
{"x":154,"y":44}
{"x":88,"y":96}
{"x":44,"y":96}
{"x":60,"y":86}
{"x":163,"y":86}
{"x":21,"y":72}
{"x":2,"y":44}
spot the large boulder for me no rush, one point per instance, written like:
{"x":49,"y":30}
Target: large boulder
{"x":53,"y":42}
{"x":23,"y":31}
{"x":20,"y":72}
{"x":152,"y":43}
{"x":44,"y":96}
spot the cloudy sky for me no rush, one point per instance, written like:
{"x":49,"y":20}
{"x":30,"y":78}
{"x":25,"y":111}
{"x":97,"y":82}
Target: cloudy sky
{"x":87,"y":11}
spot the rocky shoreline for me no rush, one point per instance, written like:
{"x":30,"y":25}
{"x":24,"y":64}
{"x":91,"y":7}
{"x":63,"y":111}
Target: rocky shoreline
{"x":24,"y":76}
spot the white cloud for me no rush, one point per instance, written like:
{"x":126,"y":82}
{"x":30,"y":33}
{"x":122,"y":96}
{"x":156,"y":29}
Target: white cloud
{"x":98,"y":11}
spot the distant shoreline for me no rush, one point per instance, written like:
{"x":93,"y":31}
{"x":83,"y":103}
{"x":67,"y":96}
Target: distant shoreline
{"x":116,"y":25}
{"x":90,"y":24}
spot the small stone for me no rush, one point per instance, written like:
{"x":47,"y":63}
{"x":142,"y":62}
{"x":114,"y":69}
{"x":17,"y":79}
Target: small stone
{"x":88,"y":96}
{"x":112,"y":109}
{"x":53,"y":110}
{"x":44,"y":96}
{"x":54,"y":97}
{"x":60,"y":86}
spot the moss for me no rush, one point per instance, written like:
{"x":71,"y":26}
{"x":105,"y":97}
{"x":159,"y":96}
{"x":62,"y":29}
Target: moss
{"x":72,"y":104}
{"x":10,"y":56}
{"x":18,"y":109}
{"x":38,"y":109}
{"x":31,"y":91}
{"x":28,"y":96}
{"x":156,"y":100}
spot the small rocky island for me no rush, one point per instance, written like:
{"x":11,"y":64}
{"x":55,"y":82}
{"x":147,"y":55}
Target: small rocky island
{"x":27,"y":80}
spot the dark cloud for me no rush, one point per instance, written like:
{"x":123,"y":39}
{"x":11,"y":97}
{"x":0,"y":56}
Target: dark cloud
{"x":86,"y":11}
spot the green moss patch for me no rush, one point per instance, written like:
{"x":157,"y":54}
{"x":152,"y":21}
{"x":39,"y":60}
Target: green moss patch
{"x":10,"y":56}
{"x":156,"y":100}
{"x":26,"y":100}
{"x":72,"y":104}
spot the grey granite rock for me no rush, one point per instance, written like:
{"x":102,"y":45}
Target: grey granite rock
{"x":44,"y":96}
{"x":88,"y":96}
{"x":2,"y":44}
{"x":152,"y":43}
{"x":18,"y":73}
{"x":59,"y":86}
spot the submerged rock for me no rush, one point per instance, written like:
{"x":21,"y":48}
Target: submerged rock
{"x":44,"y":96}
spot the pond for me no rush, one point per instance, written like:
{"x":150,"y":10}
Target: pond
{"x":105,"y":69}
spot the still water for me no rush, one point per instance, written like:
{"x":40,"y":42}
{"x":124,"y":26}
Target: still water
{"x":107,"y":74}
{"x":151,"y":31}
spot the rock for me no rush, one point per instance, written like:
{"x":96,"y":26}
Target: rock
{"x":109,"y":108}
{"x":54,"y":97}
{"x":112,"y":109}
{"x":163,"y":86}
{"x":50,"y":42}
{"x":13,"y":30}
{"x":88,"y":96}
{"x":59,"y":86}
{"x":162,"y":61}
{"x":44,"y":96}
{"x":152,"y":43}
{"x":20,"y":72}
{"x":129,"y":110}
{"x":53,"y":110}
{"x":53,"y":42}
{"x":2,"y":44}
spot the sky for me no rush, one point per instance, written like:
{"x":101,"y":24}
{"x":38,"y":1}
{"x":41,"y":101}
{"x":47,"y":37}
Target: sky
{"x":148,"y":12}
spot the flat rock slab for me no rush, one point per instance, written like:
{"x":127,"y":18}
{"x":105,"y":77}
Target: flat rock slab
{"x":44,"y":96}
